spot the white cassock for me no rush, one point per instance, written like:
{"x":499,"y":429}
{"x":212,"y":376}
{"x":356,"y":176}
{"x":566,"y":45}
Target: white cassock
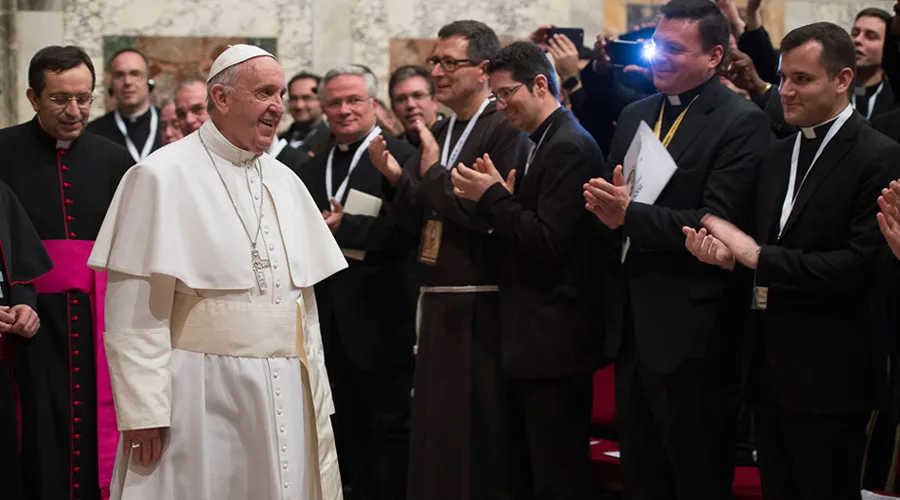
{"x":236,"y":373}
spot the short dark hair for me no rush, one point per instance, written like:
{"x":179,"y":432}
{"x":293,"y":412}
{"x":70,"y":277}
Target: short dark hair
{"x":404,"y":73}
{"x":57,"y":59}
{"x":876,"y":12}
{"x":714,"y":27}
{"x":305,"y":75}
{"x":838,"y":51}
{"x":483,"y":42}
{"x":525,"y":61}
{"x":131,"y":50}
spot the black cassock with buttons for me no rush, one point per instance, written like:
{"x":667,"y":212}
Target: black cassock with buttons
{"x":65,"y":190}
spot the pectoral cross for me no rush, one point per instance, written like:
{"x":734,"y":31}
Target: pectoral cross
{"x":258,"y":265}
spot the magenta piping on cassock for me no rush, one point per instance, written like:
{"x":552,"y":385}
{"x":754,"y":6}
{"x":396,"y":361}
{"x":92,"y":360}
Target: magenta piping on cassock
{"x":71,"y":273}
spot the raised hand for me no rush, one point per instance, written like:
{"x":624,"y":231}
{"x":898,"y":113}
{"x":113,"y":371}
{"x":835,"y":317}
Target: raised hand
{"x":431,"y":152}
{"x":384,"y":161}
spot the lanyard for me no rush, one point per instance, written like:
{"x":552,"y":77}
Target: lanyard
{"x":657,"y":129}
{"x":339,"y":195}
{"x":789,"y":197}
{"x":132,"y":149}
{"x":534,"y":149}
{"x":871,"y":101}
{"x":450,"y":162}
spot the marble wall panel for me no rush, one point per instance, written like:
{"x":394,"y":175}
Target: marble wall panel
{"x":8,"y":61}
{"x":289,"y":22}
{"x":34,"y":31}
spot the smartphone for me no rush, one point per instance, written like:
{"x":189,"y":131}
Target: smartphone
{"x":576,"y":35}
{"x":641,"y":34}
{"x":625,"y":53}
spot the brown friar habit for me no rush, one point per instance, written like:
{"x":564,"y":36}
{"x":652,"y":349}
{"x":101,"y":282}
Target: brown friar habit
{"x":458,"y":419}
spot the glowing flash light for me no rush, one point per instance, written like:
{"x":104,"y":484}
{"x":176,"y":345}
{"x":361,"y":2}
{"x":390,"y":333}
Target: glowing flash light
{"x":648,"y":51}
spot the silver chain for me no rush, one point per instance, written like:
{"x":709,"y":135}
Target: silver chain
{"x":253,"y":241}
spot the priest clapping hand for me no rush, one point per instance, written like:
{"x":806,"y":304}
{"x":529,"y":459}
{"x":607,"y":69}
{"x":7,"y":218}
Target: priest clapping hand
{"x":744,"y":248}
{"x":889,"y":217}
{"x":335,"y":216}
{"x":431,"y":152}
{"x":384,"y":161}
{"x":471,"y":183}
{"x":608,"y":202}
{"x":708,"y":248}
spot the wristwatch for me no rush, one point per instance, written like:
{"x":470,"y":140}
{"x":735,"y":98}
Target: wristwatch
{"x":571,"y":83}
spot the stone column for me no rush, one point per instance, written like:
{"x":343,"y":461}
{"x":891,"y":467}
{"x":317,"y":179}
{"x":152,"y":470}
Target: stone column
{"x":8,"y":58}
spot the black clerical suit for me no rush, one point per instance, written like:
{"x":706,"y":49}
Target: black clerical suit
{"x":367,"y":313}
{"x":23,"y":259}
{"x":65,"y":190}
{"x":818,"y":360}
{"x":671,"y":327}
{"x":548,"y":283}
{"x":878,"y":97}
{"x":315,"y":140}
{"x":138,"y":128}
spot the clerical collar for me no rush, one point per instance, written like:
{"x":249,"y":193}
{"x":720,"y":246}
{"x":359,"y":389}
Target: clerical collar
{"x":685,"y":98}
{"x":46,"y":139}
{"x":869,"y":91}
{"x":818,"y":131}
{"x":218,"y":144}
{"x":133,"y":118}
{"x":539,"y":132}
{"x":343,"y":148}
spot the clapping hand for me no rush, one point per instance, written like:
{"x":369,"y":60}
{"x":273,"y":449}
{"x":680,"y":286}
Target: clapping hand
{"x":471,"y":183}
{"x":889,"y":217}
{"x":608,"y":202}
{"x":384,"y":161}
{"x":707,"y":248}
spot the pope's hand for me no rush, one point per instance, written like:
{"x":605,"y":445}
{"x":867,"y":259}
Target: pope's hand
{"x":145,"y":445}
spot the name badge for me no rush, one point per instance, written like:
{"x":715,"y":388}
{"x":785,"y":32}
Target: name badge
{"x":760,"y":298}
{"x":430,"y":246}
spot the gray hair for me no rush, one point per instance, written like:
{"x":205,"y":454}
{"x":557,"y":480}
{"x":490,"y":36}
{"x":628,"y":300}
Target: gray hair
{"x":351,"y":69}
{"x":227,"y":78}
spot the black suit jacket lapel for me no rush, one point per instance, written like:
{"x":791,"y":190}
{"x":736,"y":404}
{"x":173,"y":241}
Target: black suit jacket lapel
{"x":695,"y":120}
{"x":834,"y":152}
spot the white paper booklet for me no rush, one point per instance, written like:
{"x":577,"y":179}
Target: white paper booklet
{"x":359,"y":203}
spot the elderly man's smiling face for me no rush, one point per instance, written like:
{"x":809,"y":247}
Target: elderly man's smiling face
{"x":253,"y":109}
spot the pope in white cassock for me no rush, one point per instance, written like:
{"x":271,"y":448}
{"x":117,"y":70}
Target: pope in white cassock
{"x":212,"y":334}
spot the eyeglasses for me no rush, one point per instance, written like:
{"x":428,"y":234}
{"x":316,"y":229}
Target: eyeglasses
{"x":448,"y":64}
{"x":62,"y":99}
{"x":503,"y":95}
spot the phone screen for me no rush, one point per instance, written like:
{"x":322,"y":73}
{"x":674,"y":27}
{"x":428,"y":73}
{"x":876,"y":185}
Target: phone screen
{"x":624,"y":53}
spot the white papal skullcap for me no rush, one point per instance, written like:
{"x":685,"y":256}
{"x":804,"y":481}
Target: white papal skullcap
{"x":235,"y":54}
